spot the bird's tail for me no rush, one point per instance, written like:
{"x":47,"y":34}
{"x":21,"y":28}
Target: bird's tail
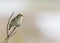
{"x":10,"y":27}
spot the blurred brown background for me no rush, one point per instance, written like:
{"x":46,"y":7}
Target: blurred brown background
{"x":28,"y":32}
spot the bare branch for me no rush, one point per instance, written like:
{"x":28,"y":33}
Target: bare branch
{"x":8,"y":22}
{"x":9,"y":35}
{"x":13,"y":30}
{"x":13,"y":34}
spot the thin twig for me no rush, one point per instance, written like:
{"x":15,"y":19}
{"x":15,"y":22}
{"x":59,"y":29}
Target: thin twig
{"x":13,"y":31}
{"x":11,"y":34}
{"x":8,"y":36}
{"x":8,"y":23}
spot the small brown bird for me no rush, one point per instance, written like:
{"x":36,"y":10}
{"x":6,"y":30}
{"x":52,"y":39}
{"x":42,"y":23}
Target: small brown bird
{"x":16,"y":21}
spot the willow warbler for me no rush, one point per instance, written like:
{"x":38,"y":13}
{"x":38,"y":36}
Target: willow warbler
{"x":16,"y":21}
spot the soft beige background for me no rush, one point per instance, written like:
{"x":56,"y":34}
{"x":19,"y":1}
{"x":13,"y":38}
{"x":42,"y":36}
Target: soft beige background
{"x":27,"y":33}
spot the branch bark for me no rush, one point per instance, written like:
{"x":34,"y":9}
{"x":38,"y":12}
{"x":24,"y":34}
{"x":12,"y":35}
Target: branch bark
{"x":8,"y":23}
{"x":8,"y":35}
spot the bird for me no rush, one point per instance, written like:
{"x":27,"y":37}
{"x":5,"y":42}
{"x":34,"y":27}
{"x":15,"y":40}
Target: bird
{"x":16,"y":21}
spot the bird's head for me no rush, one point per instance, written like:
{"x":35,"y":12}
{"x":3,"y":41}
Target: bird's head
{"x":19,"y":15}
